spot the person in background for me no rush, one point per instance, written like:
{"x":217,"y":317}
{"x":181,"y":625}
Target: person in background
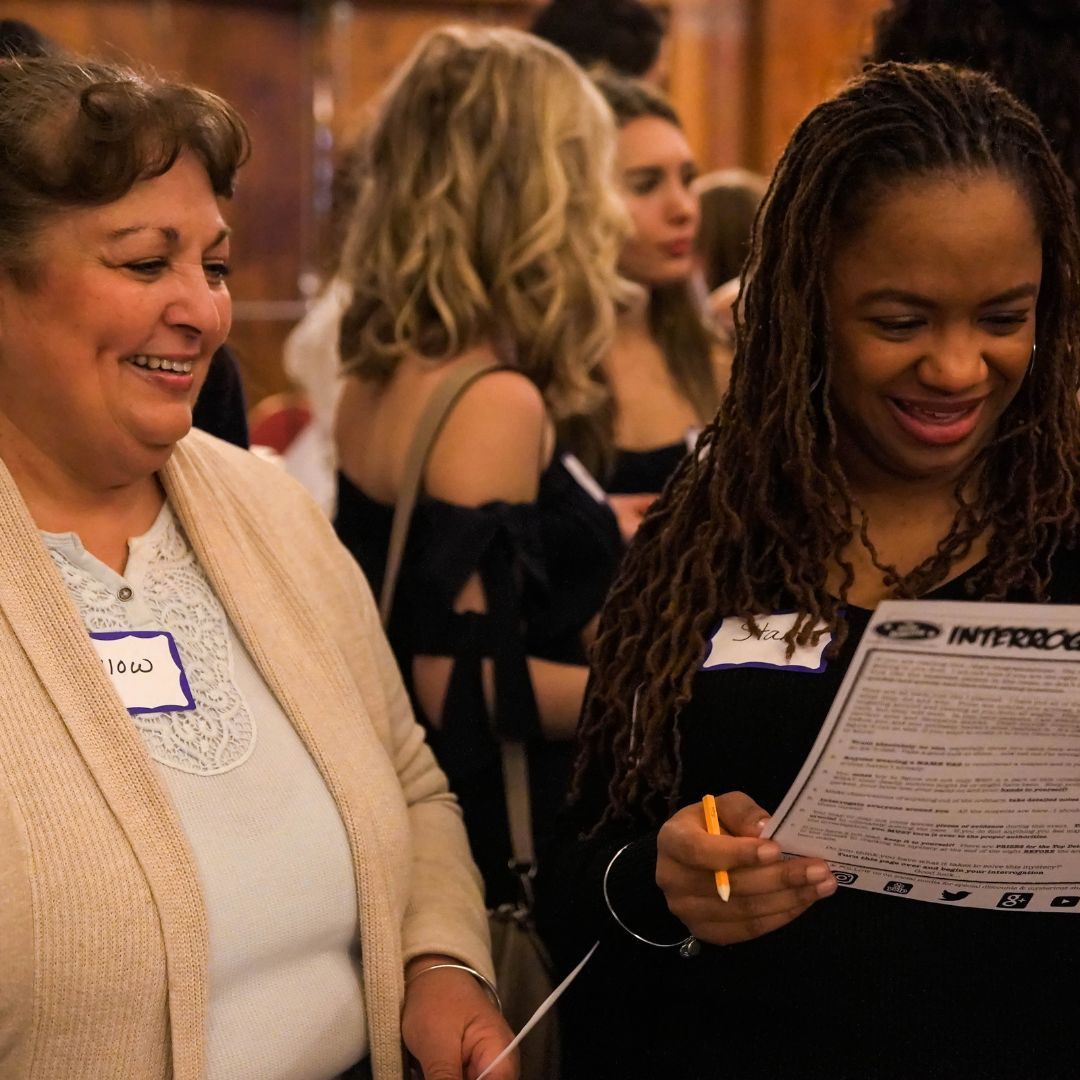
{"x":729,"y":201}
{"x":18,"y":38}
{"x":311,"y":358}
{"x":225,"y":848}
{"x":665,"y":370}
{"x":221,"y":408}
{"x":1030,"y":47}
{"x":623,"y":36}
{"x":311,"y":355}
{"x":486,"y":229}
{"x":902,"y":421}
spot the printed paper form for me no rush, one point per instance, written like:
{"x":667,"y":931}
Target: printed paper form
{"x":948,"y":768}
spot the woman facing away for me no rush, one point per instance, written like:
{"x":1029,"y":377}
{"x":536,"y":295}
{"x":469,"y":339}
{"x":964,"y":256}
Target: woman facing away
{"x":665,"y":370}
{"x":225,"y":848}
{"x":902,"y":421}
{"x":485,"y":230}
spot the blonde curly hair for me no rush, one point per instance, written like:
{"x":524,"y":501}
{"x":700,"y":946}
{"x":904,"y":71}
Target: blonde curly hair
{"x":486,"y":213}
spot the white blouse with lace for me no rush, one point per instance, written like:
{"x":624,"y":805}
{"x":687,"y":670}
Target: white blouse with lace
{"x":285,"y":997}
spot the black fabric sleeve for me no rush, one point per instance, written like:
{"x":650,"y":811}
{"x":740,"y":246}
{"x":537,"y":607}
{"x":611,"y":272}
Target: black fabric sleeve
{"x":572,"y":909}
{"x":499,"y":543}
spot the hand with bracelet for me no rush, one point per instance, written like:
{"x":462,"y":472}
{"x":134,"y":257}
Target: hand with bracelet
{"x":766,"y":891}
{"x":451,"y":1022}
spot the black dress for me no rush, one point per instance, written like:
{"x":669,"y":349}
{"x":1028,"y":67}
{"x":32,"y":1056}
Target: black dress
{"x":545,"y":568}
{"x":860,"y":986}
{"x":637,"y":472}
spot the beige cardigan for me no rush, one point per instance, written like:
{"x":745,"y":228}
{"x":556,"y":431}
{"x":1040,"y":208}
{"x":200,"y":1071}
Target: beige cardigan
{"x":103,"y":939}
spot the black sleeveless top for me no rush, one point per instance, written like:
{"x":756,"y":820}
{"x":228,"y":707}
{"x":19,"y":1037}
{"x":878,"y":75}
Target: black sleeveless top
{"x":638,"y":472}
{"x":545,"y":568}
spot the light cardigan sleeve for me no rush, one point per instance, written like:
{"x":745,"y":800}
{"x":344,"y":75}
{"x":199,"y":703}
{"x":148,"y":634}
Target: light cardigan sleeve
{"x":445,"y":908}
{"x":445,"y":913}
{"x":16,"y":939}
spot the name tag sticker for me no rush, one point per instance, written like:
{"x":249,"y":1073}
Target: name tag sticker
{"x":735,"y":645}
{"x":145,"y":668}
{"x":584,"y":478}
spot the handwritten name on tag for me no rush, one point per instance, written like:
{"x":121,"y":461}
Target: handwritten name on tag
{"x":145,"y":669}
{"x":735,"y":645}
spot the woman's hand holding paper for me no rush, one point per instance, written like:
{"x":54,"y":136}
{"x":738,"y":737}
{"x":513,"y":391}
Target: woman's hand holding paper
{"x":450,"y":1025}
{"x":766,"y":891}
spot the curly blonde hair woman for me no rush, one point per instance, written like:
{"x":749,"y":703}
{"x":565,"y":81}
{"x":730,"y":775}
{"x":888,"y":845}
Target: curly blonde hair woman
{"x":486,"y":230}
{"x":485,"y":215}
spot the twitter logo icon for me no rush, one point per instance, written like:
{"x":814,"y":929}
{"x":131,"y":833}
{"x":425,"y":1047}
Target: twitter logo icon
{"x":958,"y":895}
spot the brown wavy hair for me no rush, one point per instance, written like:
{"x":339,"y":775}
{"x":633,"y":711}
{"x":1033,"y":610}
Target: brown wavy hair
{"x":76,"y":133}
{"x":752,"y":522}
{"x":486,"y":213}
{"x":729,"y":203}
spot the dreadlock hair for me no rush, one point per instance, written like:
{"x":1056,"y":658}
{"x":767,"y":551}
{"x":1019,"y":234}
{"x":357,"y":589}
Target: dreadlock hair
{"x":752,"y":523}
{"x":1030,"y":47}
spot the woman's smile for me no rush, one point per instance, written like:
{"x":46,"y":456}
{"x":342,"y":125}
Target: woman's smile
{"x":932,"y":303}
{"x":937,"y":423}
{"x":180,"y":365}
{"x":119,"y":328}
{"x":171,"y":375}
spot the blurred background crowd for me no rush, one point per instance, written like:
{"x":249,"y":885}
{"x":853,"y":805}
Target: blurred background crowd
{"x":304,"y":74}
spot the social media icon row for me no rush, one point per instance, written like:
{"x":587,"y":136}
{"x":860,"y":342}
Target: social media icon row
{"x":1010,"y":901}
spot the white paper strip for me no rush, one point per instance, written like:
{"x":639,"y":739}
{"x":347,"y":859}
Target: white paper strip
{"x":539,"y":1014}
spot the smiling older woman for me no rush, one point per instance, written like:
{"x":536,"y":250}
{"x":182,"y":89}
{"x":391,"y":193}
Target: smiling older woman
{"x":225,"y":849}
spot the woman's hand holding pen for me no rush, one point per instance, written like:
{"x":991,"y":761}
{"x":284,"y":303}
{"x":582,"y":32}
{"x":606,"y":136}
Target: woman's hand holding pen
{"x":766,"y":891}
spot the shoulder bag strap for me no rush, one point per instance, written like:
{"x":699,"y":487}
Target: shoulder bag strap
{"x":432,"y":419}
{"x":515,"y":765}
{"x":515,"y":774}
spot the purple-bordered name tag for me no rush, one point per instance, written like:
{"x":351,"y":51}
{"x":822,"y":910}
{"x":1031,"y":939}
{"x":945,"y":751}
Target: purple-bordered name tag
{"x":734,"y":644}
{"x":145,"y":668}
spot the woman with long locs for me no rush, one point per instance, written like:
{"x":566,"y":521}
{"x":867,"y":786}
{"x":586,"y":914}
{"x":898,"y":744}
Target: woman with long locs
{"x":902,"y":421}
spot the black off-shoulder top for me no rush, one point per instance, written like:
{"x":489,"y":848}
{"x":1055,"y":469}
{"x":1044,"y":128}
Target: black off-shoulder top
{"x":545,"y":568}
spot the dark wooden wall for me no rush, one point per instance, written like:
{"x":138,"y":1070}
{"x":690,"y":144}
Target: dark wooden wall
{"x":742,"y":74}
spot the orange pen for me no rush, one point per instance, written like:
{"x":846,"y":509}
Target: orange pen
{"x":712,"y":826}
